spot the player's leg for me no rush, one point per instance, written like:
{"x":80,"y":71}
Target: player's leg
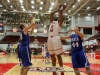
{"x":88,"y":70}
{"x":21,"y":70}
{"x":26,"y":60}
{"x":58,"y":50}
{"x":75,"y":62}
{"x":76,"y":71}
{"x":20,"y":60}
{"x":48,"y":60}
{"x":84,"y":62}
{"x":26,"y":69}
{"x":60,"y":61}
{"x":53,"y":59}
{"x":43,"y":55}
{"x":52,"y":54}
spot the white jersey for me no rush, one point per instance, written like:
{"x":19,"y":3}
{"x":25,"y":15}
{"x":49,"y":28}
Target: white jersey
{"x":54,"y":29}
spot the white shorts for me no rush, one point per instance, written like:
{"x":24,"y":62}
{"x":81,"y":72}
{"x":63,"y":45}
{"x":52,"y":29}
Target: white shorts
{"x":54,"y":45}
{"x":44,"y":54}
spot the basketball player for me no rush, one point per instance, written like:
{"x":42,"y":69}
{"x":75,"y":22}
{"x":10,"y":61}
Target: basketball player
{"x":47,"y":57}
{"x":54,"y":42}
{"x":18,"y":48}
{"x":24,"y":49}
{"x":43,"y":52}
{"x":79,"y":59}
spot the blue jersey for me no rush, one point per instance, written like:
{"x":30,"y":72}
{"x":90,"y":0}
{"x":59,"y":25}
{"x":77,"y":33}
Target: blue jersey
{"x":19,"y":45}
{"x":18,"y":48}
{"x":24,"y":38}
{"x":24,"y":51}
{"x":76,"y":42}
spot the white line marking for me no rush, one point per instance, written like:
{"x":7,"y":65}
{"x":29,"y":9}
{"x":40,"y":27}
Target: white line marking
{"x":10,"y":69}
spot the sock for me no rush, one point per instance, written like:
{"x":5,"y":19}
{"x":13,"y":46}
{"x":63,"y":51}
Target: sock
{"x":54,"y":68}
{"x":61,"y":69}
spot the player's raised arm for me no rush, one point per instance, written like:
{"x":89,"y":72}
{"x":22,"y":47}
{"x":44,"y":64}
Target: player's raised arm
{"x":30,"y":26}
{"x":52,"y":15}
{"x":32,"y":21}
{"x":32,"y":30}
{"x":60,"y":18}
{"x":78,"y":32}
{"x":61,"y":9}
{"x":81,"y":34}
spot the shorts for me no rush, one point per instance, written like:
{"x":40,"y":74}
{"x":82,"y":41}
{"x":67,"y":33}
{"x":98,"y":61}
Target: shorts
{"x":79,"y":59}
{"x":25,"y":56}
{"x":47,"y":55}
{"x":44,"y":54}
{"x":54,"y":45}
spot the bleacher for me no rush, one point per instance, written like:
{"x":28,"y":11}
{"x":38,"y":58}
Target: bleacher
{"x":10,"y":39}
{"x":96,"y":48}
{"x":43,"y":39}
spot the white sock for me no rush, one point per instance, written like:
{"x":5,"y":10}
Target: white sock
{"x":61,"y":69}
{"x":54,"y":68}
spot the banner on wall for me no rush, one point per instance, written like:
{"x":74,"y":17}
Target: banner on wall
{"x":15,"y":46}
{"x":85,"y":43}
{"x":90,"y":42}
{"x":93,"y":42}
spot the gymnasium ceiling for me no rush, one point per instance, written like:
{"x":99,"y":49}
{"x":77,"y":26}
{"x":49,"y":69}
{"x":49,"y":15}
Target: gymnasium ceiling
{"x":17,"y":11}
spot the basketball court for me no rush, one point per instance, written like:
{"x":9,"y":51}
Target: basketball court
{"x":9,"y":65}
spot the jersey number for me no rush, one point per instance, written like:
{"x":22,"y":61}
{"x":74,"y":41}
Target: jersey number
{"x":75,"y":44}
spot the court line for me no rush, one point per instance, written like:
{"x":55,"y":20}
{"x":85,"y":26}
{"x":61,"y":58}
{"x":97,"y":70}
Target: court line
{"x":73,"y":70}
{"x":10,"y":69}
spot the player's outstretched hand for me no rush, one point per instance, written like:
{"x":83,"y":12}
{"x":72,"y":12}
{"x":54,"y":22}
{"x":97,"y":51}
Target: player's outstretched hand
{"x":72,"y":30}
{"x":62,"y":7}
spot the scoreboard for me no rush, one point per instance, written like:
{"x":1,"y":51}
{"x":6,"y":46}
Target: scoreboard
{"x":1,"y":27}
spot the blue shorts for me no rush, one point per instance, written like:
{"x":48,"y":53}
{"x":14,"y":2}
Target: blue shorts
{"x":25,"y":56}
{"x":47,"y":55}
{"x":79,"y":59}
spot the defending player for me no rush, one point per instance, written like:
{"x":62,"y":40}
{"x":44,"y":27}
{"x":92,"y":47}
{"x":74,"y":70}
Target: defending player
{"x":47,"y":57}
{"x":79,"y":59}
{"x":54,"y":42}
{"x":24,"y":49}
